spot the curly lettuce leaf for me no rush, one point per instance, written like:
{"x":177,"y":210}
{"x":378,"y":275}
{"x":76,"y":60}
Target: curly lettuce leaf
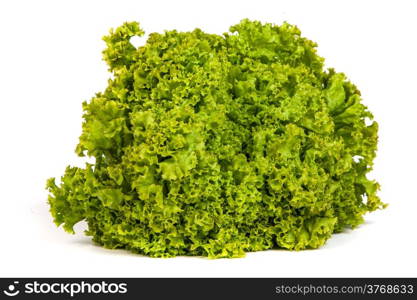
{"x":216,"y":145}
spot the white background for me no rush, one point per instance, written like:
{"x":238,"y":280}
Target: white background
{"x":50,"y":61}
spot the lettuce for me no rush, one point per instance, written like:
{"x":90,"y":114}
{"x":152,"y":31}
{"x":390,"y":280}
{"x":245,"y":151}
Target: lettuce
{"x":214,"y":145}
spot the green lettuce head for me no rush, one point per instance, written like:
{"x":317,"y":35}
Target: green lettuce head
{"x":214,"y":145}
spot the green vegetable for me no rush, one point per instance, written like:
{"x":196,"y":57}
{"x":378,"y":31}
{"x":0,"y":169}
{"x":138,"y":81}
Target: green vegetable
{"x":215,"y":145}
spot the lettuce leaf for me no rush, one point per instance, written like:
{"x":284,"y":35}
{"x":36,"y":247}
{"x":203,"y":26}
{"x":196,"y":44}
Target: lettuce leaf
{"x":216,"y":145}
